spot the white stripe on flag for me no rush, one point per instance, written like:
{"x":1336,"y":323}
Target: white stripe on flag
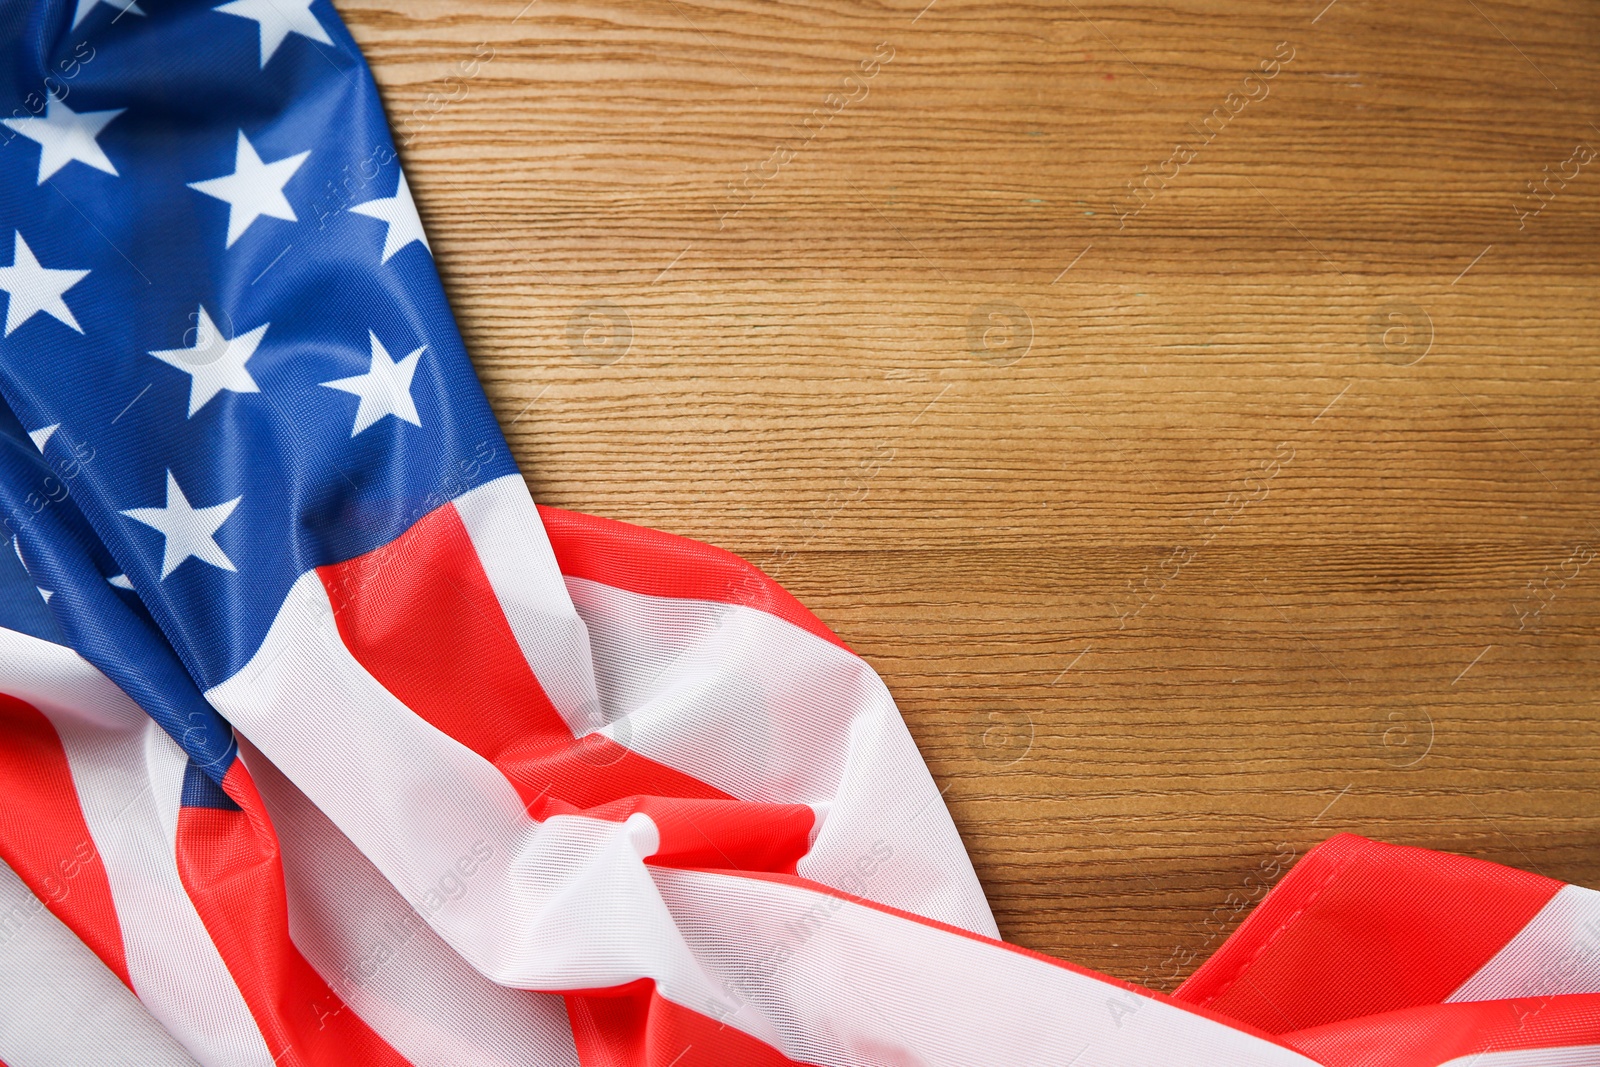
{"x":411,"y":797}
{"x":1573,"y":1056}
{"x":1558,"y":952}
{"x":386,"y":963}
{"x":128,"y":775}
{"x":847,"y":983}
{"x":61,"y":1005}
{"x":768,"y":712}
{"x":514,"y":550}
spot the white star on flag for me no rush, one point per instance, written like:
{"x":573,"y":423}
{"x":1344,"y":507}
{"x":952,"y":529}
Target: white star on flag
{"x":86,"y":6}
{"x":42,"y":435}
{"x":278,"y":19}
{"x":384,"y":390}
{"x":17,"y":545}
{"x":400,"y":213}
{"x":253,"y":189}
{"x":214,"y":362}
{"x":34,"y":288}
{"x":189,"y":531}
{"x":65,"y":135}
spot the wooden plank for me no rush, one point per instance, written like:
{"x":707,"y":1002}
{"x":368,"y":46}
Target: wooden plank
{"x":1188,"y":525}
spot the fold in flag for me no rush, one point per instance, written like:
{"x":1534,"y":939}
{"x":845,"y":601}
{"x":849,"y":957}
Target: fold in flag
{"x":320,"y":743}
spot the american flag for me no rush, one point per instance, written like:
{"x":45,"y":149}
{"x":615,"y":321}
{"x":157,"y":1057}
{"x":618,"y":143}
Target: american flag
{"x":321,"y":743}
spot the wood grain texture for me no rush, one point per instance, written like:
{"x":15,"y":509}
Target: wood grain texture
{"x":1184,"y":536}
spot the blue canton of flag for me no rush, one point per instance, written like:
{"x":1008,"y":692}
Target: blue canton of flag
{"x":226,"y":352}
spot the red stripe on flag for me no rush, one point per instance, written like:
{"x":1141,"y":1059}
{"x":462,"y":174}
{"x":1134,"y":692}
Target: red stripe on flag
{"x":421,"y":617}
{"x":231,"y":868}
{"x":1360,"y":928}
{"x":44,"y":837}
{"x":1429,"y":1035}
{"x":635,"y":1026}
{"x":653,"y":563}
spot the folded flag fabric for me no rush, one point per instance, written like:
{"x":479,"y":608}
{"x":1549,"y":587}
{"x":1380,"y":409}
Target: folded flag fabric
{"x":321,"y":743}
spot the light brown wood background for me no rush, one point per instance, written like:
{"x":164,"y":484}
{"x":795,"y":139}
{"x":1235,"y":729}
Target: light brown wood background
{"x":1175,"y":561}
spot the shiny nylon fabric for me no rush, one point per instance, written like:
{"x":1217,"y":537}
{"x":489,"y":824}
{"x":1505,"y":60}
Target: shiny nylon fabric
{"x":432,"y":776}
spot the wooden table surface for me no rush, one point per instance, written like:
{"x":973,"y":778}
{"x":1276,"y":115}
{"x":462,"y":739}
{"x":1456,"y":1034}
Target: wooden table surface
{"x":1191,"y":409}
